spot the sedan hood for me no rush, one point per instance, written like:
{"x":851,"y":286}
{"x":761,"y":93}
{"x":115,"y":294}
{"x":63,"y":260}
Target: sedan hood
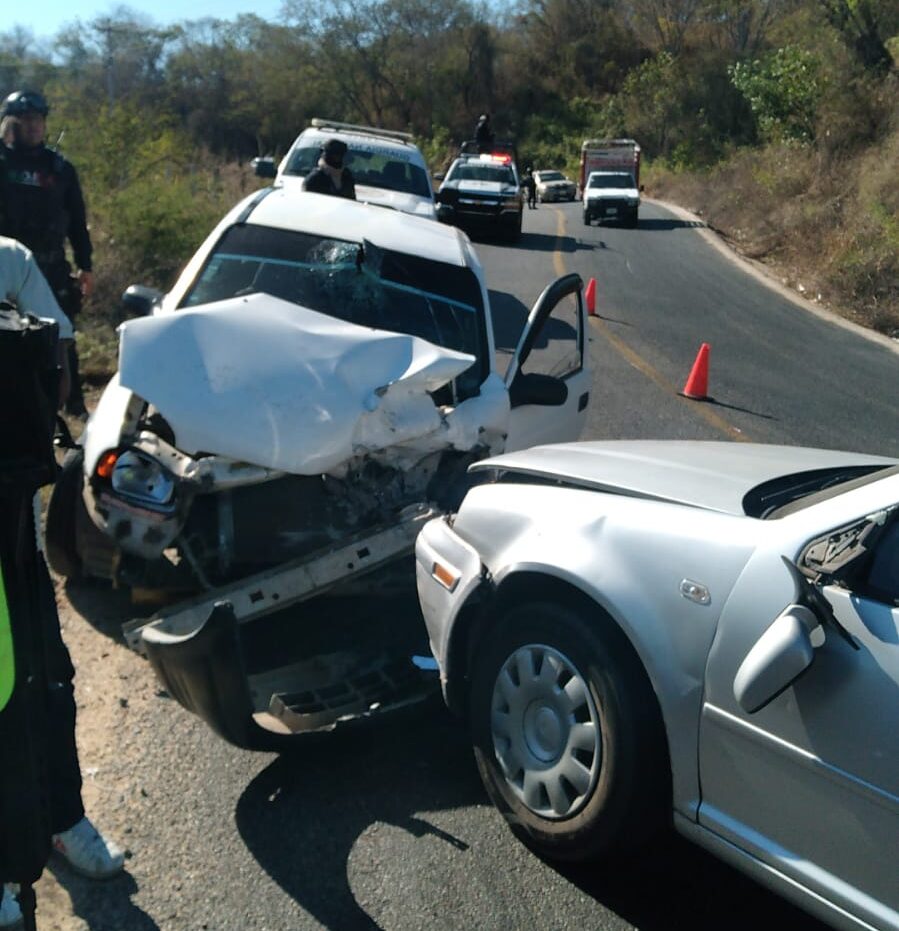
{"x":714,"y":476}
{"x":264,"y":381}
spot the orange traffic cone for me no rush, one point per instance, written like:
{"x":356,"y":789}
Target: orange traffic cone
{"x":697,"y":385}
{"x":590,"y":297}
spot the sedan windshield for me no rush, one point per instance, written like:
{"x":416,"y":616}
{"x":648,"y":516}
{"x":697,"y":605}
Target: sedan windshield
{"x":371,"y":166}
{"x":551,"y":176}
{"x":363,"y":284}
{"x":616,"y":181}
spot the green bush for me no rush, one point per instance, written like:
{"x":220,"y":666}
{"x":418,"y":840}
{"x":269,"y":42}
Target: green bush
{"x":783,"y":90}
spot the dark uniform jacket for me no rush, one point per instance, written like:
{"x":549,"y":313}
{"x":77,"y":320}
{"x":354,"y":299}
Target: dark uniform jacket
{"x":319,"y":182}
{"x":41,"y":205}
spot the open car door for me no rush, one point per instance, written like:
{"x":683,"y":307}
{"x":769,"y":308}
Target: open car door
{"x":548,"y":377}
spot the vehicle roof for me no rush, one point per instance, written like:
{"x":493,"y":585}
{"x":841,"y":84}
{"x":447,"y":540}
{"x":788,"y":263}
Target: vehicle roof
{"x":715,"y":476}
{"x":340,"y":218}
{"x":361,"y":139}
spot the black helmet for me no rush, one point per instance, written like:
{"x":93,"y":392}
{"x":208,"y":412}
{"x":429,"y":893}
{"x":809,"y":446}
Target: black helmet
{"x":21,"y":102}
{"x":334,"y":151}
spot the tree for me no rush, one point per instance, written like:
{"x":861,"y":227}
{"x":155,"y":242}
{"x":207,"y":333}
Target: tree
{"x":783,"y":90}
{"x":859,"y":24}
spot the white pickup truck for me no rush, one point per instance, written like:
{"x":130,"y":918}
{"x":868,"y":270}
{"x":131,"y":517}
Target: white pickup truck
{"x":611,"y":195}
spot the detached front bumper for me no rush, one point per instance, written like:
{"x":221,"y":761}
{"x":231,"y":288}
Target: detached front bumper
{"x":259,"y":676}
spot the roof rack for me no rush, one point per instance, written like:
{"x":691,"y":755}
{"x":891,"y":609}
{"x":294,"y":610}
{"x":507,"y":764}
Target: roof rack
{"x":367,"y":130}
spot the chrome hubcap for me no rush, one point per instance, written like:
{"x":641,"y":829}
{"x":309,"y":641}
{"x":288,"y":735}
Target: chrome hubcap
{"x":546,"y":731}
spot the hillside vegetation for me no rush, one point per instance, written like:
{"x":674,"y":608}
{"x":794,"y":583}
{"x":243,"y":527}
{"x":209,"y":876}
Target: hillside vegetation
{"x":777,"y":119}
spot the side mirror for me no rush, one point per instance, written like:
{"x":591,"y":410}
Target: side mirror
{"x":779,"y":657}
{"x":537,"y":389}
{"x":264,"y":166}
{"x":139,"y":301}
{"x":642,"y":187}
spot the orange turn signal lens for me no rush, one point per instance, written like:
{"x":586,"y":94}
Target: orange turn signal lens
{"x":107,"y":464}
{"x":444,"y":576}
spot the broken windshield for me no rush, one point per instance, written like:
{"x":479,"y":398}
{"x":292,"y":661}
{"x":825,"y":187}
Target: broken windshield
{"x":364,"y":285}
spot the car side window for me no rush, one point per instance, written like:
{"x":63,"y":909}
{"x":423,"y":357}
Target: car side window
{"x":881,"y":581}
{"x":558,"y":348}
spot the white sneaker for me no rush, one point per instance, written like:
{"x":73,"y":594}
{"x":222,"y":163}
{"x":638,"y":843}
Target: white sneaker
{"x":10,"y":913}
{"x":88,"y":852}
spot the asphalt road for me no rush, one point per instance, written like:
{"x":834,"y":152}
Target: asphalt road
{"x":389,"y":827}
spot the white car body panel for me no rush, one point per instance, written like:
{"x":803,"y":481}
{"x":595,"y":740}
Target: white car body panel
{"x":484,"y":418}
{"x":327,"y":390}
{"x":379,"y":197}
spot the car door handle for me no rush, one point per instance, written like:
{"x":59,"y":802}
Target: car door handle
{"x":582,"y":401}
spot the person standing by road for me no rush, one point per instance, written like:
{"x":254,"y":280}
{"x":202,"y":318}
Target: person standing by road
{"x":529,"y":183}
{"x":75,"y":838}
{"x":41,"y":205}
{"x":483,"y":133}
{"x":331,"y":177}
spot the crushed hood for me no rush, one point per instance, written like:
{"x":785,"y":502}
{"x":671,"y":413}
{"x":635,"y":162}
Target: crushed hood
{"x":264,"y":381}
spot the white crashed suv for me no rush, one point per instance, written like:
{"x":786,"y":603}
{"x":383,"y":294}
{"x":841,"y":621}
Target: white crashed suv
{"x":387,"y":166}
{"x":320,"y":368}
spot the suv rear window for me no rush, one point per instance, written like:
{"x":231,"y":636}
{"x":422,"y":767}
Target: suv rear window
{"x":370,"y":165}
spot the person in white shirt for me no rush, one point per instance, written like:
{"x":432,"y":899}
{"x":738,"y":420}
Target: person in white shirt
{"x":88,"y":852}
{"x":23,"y":285}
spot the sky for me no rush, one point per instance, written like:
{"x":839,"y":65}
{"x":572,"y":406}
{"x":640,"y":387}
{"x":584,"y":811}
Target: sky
{"x":45,"y":19}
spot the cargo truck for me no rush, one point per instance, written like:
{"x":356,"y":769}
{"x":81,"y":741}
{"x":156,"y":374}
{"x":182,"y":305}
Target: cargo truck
{"x":609,"y":180}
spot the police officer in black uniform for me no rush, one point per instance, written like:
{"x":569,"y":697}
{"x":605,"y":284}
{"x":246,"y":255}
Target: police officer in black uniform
{"x":330,"y":176}
{"x":42,"y":206}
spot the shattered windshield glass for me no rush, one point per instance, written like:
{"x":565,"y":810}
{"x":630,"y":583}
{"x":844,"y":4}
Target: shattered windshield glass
{"x":363,"y":284}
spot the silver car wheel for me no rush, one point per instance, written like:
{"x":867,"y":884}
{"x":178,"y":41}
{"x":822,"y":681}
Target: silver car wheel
{"x":546,"y":731}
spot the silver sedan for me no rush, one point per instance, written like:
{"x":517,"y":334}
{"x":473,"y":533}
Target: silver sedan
{"x":699,"y":633}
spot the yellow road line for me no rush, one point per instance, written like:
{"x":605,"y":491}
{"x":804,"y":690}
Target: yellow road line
{"x":636,"y":360}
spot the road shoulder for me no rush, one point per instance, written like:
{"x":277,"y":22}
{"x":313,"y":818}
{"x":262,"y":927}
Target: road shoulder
{"x":767,"y":277}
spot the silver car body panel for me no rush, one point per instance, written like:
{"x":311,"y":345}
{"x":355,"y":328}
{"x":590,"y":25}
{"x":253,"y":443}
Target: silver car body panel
{"x":803,"y":794}
{"x":714,"y":476}
{"x":647,"y":548}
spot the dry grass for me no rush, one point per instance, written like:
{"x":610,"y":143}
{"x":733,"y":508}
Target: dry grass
{"x":826,"y":225}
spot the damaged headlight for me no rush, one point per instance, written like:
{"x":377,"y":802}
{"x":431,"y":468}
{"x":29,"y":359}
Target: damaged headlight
{"x":140,"y":478}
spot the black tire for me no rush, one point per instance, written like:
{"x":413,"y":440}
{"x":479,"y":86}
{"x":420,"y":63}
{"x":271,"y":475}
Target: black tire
{"x":629,"y":794}
{"x":65,"y":499}
{"x":632,"y":220}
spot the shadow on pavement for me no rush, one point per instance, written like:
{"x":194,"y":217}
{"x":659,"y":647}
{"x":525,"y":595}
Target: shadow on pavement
{"x":105,"y":608}
{"x":660,"y":224}
{"x":103,"y":905}
{"x":302,"y":815}
{"x":543,"y":242}
{"x":676,"y":886}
